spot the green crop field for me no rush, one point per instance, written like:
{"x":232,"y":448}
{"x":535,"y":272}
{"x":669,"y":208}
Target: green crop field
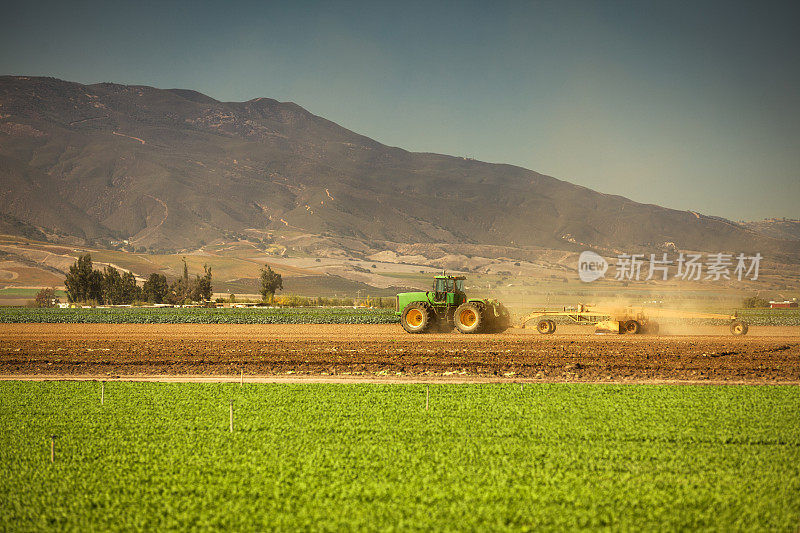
{"x":157,"y":457}
{"x":15,"y":292}
{"x":770,"y":317}
{"x":194,"y":315}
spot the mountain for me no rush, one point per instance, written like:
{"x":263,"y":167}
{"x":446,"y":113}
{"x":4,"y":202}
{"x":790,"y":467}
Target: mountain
{"x":777,"y":228}
{"x":175,"y":169}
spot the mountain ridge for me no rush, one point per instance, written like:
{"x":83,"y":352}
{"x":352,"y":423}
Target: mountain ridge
{"x":174,"y":168}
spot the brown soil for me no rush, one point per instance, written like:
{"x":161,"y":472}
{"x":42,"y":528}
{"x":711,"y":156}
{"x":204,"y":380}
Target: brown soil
{"x":766,"y":355}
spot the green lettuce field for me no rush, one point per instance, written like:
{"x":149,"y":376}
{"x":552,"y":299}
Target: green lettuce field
{"x":343,"y":457}
{"x":199,"y":315}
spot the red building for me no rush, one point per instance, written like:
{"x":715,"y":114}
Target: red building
{"x":782,"y":305}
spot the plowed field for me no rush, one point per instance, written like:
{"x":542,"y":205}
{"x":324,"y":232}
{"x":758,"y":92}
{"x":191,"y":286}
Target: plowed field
{"x":766,"y":355}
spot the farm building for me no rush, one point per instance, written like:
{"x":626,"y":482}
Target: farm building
{"x":783,"y":305}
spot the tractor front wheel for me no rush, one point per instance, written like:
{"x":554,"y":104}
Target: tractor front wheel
{"x":417,"y":317}
{"x":469,"y":317}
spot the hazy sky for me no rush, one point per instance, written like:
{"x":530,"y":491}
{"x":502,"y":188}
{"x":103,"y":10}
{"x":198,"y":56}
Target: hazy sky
{"x":691,"y":105}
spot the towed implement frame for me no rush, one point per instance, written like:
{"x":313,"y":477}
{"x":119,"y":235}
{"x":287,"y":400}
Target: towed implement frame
{"x":628,"y":319}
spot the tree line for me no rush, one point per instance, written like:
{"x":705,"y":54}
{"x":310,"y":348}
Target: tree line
{"x":109,"y":287}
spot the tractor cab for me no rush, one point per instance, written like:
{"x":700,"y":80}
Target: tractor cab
{"x":449,"y":289}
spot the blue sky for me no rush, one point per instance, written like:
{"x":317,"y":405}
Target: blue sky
{"x":690,"y":105}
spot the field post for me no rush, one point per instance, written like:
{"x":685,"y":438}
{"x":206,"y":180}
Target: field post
{"x":102,"y":392}
{"x":241,"y":378}
{"x":521,"y":387}
{"x":427,"y":395}
{"x":231,"y":416}
{"x":52,"y":448}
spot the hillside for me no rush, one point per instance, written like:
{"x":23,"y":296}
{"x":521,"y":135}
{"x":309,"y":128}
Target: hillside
{"x":777,"y":228}
{"x":175,"y":169}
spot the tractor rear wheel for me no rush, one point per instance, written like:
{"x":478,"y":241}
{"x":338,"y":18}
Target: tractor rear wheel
{"x":417,"y":317}
{"x":739,"y":327}
{"x":469,"y":317}
{"x":632,"y":326}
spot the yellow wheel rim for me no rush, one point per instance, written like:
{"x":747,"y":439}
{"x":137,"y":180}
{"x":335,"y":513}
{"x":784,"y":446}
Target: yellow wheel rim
{"x":468,"y":317}
{"x":737,"y":328}
{"x":414,"y":318}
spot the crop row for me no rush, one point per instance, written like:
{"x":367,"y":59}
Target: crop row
{"x":165,"y":315}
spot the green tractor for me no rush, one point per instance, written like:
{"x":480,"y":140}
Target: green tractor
{"x":447,"y":306}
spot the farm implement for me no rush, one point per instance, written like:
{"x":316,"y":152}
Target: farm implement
{"x":628,"y":319}
{"x":447,"y":307}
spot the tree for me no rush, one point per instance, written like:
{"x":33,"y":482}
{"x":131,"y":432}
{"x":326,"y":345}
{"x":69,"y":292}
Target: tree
{"x":204,"y":288}
{"x":179,"y":291}
{"x":95,"y":287}
{"x":271,"y":281}
{"x":78,"y":279}
{"x":185,"y":290}
{"x":112,"y":286}
{"x":200,"y":288}
{"x":83,"y":283}
{"x":119,"y":289}
{"x":46,"y":298}
{"x":155,"y":289}
{"x":131,"y":292}
{"x":755,"y":302}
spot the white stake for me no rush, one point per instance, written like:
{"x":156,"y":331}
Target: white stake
{"x":52,"y":448}
{"x":427,"y":395}
{"x":102,"y":392}
{"x":241,"y":378}
{"x":231,"y":416}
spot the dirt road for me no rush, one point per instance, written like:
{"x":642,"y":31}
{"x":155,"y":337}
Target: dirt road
{"x":766,"y":355}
